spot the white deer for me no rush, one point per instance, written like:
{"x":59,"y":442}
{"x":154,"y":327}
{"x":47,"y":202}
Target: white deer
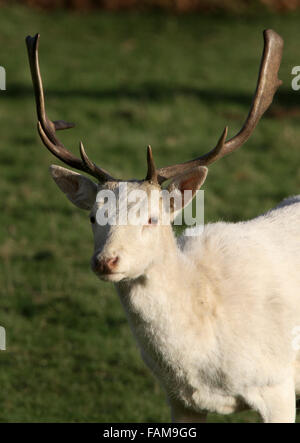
{"x":214,"y":315}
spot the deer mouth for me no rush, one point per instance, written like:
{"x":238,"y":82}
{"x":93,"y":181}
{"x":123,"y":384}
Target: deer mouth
{"x":110,"y":276}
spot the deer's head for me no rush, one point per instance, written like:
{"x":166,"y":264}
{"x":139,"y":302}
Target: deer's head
{"x":127,"y":250}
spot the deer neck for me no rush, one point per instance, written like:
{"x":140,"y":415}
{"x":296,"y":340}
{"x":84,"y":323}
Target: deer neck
{"x":164,"y":277}
{"x":169,"y":305}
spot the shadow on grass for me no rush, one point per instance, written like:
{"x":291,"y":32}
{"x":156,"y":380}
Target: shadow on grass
{"x":285,"y":100}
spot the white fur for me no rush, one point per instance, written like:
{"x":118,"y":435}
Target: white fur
{"x":214,"y":314}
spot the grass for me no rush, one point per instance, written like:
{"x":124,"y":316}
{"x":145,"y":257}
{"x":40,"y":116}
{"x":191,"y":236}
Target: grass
{"x":126,"y":80}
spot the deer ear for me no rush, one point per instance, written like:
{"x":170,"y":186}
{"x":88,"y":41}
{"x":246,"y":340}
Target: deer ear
{"x":80,"y":190}
{"x":189,"y":181}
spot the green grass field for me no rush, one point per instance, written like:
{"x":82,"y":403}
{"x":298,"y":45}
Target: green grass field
{"x":126,"y":81}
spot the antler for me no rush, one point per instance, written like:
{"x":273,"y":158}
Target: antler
{"x":267,"y":85}
{"x":151,"y":171}
{"x":48,"y":128}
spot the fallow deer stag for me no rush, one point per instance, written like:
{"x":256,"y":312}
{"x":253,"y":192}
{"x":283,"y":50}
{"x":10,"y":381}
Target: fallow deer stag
{"x":214,"y":314}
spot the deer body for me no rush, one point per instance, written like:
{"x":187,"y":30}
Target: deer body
{"x":214,"y":315}
{"x":214,"y":319}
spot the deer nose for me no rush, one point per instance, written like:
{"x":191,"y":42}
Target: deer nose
{"x":105,"y":265}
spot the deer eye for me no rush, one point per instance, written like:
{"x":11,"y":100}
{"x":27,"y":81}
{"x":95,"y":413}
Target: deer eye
{"x":152,"y":221}
{"x":92,"y":219}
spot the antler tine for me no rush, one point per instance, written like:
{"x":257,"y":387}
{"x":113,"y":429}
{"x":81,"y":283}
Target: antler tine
{"x":92,"y":167}
{"x":267,"y":85}
{"x":151,"y":172}
{"x":47,"y":128}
